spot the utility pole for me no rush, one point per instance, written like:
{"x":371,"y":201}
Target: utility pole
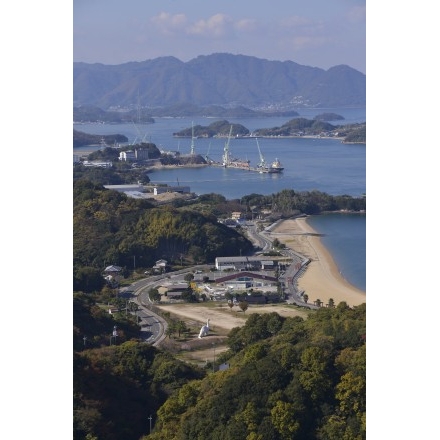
{"x":150,"y":418}
{"x":114,"y":334}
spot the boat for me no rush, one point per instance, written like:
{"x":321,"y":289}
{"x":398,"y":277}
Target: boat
{"x":276,"y":166}
{"x":262,"y":167}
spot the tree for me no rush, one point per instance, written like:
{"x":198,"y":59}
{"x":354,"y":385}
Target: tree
{"x":282,"y":416}
{"x":88,"y":279}
{"x":306,"y":297}
{"x":188,"y":277}
{"x":154,"y":294}
{"x":230,"y":304}
{"x":243,"y":306}
{"x":180,"y":327}
{"x":169,"y":331}
{"x":331,"y":303}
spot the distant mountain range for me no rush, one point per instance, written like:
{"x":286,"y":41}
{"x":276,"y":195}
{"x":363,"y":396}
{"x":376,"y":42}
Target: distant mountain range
{"x":219,"y":79}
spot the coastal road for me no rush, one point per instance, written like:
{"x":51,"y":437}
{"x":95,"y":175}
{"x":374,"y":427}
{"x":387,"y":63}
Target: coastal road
{"x":153,"y":326}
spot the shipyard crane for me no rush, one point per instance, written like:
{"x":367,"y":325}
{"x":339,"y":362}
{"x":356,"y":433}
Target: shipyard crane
{"x":207,"y":154}
{"x":226,"y":155}
{"x":262,"y":163}
{"x":193,"y":147}
{"x":140,"y":135}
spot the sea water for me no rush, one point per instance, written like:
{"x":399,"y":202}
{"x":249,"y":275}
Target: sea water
{"x":345,"y":238}
{"x":320,"y":164}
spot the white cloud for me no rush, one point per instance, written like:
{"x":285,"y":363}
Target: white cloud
{"x":169,"y":24}
{"x":218,"y":25}
{"x":246,"y":24}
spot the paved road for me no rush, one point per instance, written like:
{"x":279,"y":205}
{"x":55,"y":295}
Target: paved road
{"x":153,"y":326}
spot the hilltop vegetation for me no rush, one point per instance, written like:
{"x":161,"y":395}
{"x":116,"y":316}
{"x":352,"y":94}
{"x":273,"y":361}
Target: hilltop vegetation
{"x":316,"y":127}
{"x":81,"y":139}
{"x":115,"y":387}
{"x":294,"y":127}
{"x":328,"y":117}
{"x":288,"y":378}
{"x":110,"y":227}
{"x":216,"y":129}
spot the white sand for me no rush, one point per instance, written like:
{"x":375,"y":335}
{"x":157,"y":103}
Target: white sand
{"x":322,"y":279}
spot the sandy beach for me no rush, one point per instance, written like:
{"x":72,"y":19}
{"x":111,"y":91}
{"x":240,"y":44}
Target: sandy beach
{"x":322,"y":279}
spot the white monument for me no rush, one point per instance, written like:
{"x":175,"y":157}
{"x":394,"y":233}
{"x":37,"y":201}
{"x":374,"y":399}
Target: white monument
{"x":204,"y":330}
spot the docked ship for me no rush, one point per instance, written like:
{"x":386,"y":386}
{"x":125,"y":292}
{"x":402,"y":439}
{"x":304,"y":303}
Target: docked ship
{"x":229,"y":161}
{"x":263,"y":167}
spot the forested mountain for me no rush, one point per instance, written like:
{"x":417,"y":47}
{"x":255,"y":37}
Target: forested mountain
{"x":288,"y":378}
{"x":218,"y":79}
{"x":217,"y":129}
{"x":109,"y":228}
{"x":81,"y":139}
{"x":115,"y":387}
{"x":294,"y":127}
{"x":313,"y":127}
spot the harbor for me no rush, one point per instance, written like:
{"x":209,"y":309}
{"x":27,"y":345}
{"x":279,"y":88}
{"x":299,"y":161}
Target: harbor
{"x":229,"y":162}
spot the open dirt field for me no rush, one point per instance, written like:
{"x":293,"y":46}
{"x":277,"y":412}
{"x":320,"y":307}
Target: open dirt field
{"x":221,"y":317}
{"x":221,"y":320}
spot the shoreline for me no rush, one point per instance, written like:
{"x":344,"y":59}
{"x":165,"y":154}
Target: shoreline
{"x":322,"y":279}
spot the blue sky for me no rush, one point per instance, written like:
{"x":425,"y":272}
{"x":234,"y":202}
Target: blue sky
{"x":318,"y":33}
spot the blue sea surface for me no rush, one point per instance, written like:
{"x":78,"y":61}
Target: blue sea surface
{"x":310,"y":164}
{"x":345,"y":238}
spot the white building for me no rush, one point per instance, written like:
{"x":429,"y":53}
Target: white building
{"x":127,"y":155}
{"x":243,"y":263}
{"x":164,"y":189}
{"x":97,"y":164}
{"x":137,"y":154}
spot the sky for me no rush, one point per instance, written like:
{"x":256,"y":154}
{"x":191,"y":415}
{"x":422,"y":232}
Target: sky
{"x":40,"y":42}
{"x":316,"y":33}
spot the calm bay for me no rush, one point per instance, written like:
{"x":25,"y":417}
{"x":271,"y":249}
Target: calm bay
{"x":309,"y":164}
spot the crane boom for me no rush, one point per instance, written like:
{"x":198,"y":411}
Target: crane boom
{"x":262,"y":160}
{"x":226,"y":156}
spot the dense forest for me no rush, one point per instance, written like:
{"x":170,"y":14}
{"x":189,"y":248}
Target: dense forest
{"x":115,"y":385}
{"x":110,"y":228}
{"x":81,"y":139}
{"x":316,"y":127}
{"x":295,"y":127}
{"x":288,"y":378}
{"x":216,"y":129}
